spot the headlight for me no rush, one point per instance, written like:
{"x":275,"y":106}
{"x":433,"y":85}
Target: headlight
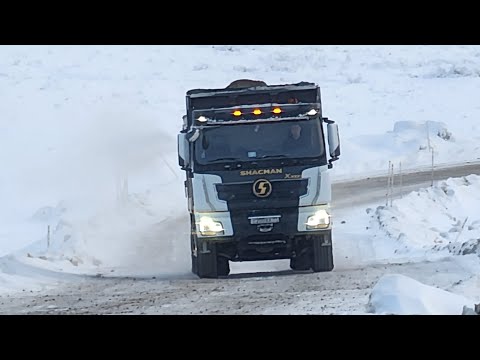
{"x":320,"y":220}
{"x":209,"y":227}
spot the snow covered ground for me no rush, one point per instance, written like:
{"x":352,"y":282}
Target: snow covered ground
{"x":441,"y":220}
{"x":89,"y":177}
{"x":401,"y":295}
{"x":425,"y":226}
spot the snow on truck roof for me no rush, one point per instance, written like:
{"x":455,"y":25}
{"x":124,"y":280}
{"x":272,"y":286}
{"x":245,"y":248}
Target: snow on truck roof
{"x":256,"y":86}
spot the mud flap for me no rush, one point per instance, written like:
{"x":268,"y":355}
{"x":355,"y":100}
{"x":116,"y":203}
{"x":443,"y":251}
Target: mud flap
{"x":323,"y":253}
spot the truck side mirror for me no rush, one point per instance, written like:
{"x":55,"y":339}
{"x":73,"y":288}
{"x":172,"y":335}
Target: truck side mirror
{"x":183,"y":153}
{"x":333,"y":141}
{"x":185,"y":122}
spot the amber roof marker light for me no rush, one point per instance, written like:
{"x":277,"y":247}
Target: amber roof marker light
{"x":257,"y":112}
{"x":237,"y":113}
{"x":277,"y":110}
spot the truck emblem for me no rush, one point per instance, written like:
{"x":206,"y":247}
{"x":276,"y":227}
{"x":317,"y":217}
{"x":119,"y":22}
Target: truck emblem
{"x":262,"y":188}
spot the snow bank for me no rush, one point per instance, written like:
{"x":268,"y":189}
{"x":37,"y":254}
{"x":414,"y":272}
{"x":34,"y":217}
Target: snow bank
{"x":401,"y":295}
{"x":439,"y":219}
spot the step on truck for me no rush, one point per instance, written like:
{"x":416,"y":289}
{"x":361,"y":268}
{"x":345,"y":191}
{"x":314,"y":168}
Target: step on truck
{"x":257,"y":176}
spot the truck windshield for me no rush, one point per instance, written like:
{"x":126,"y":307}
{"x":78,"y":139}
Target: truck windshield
{"x":299,"y":139}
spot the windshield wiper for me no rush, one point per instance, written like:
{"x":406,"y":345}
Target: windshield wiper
{"x":284,"y":158}
{"x":222,"y":159}
{"x":273,"y":156}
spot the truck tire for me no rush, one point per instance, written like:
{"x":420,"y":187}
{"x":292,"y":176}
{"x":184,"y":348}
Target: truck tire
{"x":223,"y":266}
{"x":323,"y":253}
{"x":206,"y":263}
{"x":193,"y":254}
{"x":193,"y":245}
{"x":302,"y":261}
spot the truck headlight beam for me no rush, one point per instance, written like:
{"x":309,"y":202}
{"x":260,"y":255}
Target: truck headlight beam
{"x":209,"y":227}
{"x":320,"y":220}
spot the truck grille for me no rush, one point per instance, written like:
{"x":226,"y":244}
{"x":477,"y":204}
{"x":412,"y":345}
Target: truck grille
{"x":285,"y":193}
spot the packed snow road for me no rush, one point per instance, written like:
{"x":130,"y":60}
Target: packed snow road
{"x":345,"y":290}
{"x":373,"y":189}
{"x":337,"y":292}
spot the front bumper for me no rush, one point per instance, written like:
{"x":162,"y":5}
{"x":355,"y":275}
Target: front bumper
{"x":267,"y":247}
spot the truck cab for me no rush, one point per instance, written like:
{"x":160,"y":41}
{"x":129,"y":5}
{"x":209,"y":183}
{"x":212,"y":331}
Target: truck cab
{"x":257,"y":182}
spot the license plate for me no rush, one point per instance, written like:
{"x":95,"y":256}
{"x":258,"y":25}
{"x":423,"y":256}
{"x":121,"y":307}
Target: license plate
{"x":264,"y":220}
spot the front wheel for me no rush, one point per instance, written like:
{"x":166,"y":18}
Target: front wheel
{"x":302,"y":261}
{"x":206,"y":263}
{"x":223,"y":266}
{"x":193,"y":246}
{"x":316,"y":254}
